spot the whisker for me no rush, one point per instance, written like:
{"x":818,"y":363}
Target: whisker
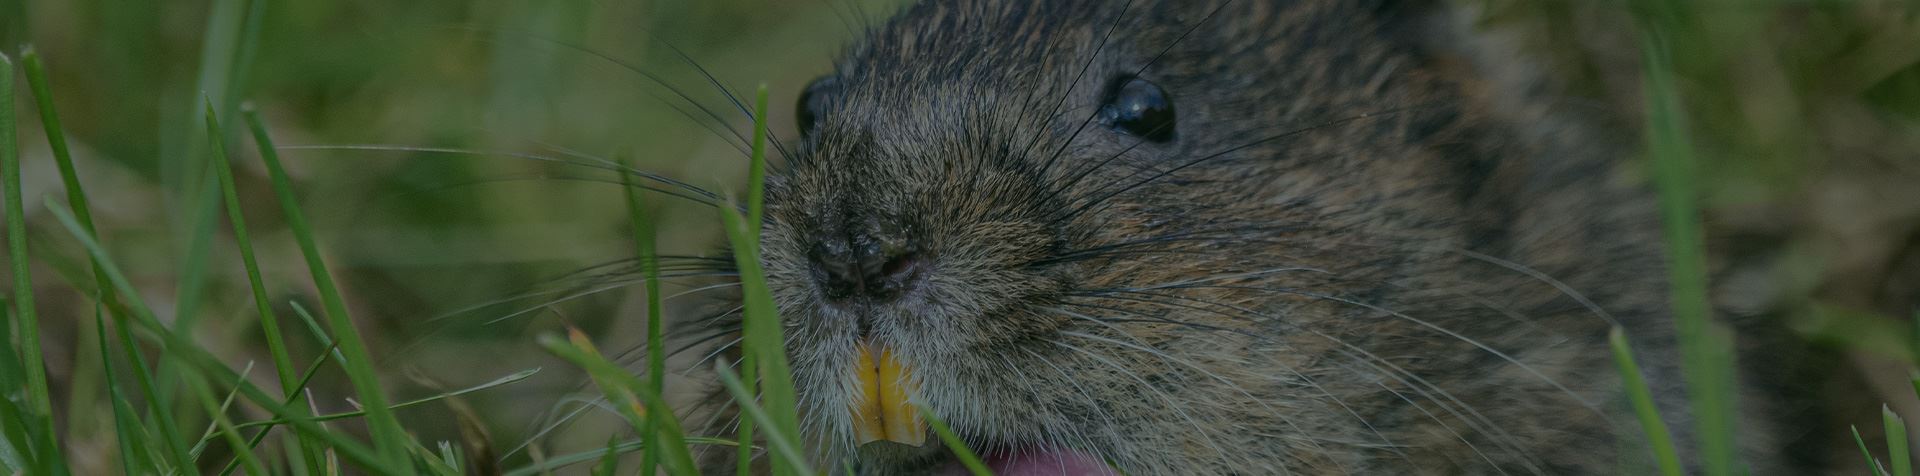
{"x":1543,"y":278}
{"x":633,"y":265}
{"x":551,"y":425}
{"x":1423,"y":323}
{"x":1091,"y":401}
{"x":1143,"y":68}
{"x":625,"y":169}
{"x":844,"y":22}
{"x":1203,"y":235}
{"x":1165,"y":356}
{"x":533,"y":294}
{"x":1184,"y":165}
{"x":1088,"y":64}
{"x":648,"y":75}
{"x":1297,"y":374}
{"x":1030,"y":102}
{"x":1199,"y":429}
{"x":1465,"y":412}
{"x":1231,"y":236}
{"x":724,"y":91}
{"x":708,"y":197}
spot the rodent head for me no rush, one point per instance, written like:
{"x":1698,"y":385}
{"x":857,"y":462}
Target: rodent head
{"x":1047,"y":209}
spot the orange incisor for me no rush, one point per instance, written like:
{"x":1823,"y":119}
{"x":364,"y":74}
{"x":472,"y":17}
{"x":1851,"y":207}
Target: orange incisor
{"x":880,"y":408}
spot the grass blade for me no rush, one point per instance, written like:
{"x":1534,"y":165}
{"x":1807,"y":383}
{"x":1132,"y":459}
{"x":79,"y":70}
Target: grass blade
{"x":126,"y":421}
{"x":162,"y":420}
{"x":762,"y":337}
{"x":16,"y":440}
{"x":389,"y":439}
{"x":628,"y":395}
{"x":70,"y":178}
{"x":756,"y":185}
{"x":319,"y":332}
{"x":1705,"y":348}
{"x":1641,"y":397}
{"x":187,"y":177}
{"x":757,"y":164}
{"x":787,"y":448}
{"x":610,"y":462}
{"x":63,"y":159}
{"x":959,"y":448}
{"x":39,"y":402}
{"x":182,"y":347}
{"x":1899,"y":460}
{"x":646,"y":248}
{"x":1873,"y":464}
{"x":283,"y":366}
{"x":293,"y":396}
{"x":218,"y":413}
{"x":743,"y":452}
{"x":221,"y":64}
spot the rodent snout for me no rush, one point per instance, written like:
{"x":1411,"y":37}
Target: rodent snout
{"x":860,"y":266}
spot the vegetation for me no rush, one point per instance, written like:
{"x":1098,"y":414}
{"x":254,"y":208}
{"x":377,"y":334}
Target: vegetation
{"x":135,"y":321}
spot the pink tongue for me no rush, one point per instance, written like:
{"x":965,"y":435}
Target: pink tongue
{"x":1047,"y":462}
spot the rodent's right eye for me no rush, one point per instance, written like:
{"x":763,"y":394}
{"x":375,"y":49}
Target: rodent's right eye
{"x":1139,"y":108}
{"x":811,"y":106}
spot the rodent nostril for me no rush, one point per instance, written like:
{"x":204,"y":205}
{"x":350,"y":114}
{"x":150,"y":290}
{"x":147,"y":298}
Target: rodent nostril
{"x":836,"y":270}
{"x":862,"y":267}
{"x":897,"y":265}
{"x":892,"y":276}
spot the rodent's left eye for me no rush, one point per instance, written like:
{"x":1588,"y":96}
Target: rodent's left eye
{"x":809,"y":109}
{"x":1139,"y":108}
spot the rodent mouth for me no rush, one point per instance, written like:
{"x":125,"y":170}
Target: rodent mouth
{"x":885,"y":420}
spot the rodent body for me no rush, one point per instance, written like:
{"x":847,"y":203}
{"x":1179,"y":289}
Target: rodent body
{"x":1346,"y":257}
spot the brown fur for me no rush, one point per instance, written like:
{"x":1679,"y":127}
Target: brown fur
{"x":1350,"y":259}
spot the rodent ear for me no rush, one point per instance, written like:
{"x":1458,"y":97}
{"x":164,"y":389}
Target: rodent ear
{"x":812,"y":103}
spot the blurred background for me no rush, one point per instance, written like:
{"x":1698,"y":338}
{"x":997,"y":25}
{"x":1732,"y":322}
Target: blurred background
{"x":420,"y":241}
{"x":1805,"y":114}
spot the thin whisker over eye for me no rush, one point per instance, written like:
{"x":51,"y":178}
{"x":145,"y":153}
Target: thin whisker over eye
{"x":711,"y":119}
{"x":675,"y":187}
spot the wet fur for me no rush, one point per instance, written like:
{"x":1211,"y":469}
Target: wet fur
{"x":1352,"y":259}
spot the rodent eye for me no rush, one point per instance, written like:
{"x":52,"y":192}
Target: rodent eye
{"x":811,"y":106}
{"x":1139,"y":108}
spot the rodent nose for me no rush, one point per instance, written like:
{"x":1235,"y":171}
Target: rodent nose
{"x":860,"y":266}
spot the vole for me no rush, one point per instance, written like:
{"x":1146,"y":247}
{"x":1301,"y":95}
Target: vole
{"x":1206,"y":237}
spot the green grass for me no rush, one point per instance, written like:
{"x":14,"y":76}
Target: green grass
{"x":1718,"y":127}
{"x":959,"y":448}
{"x":269,"y":323}
{"x":34,"y":423}
{"x":1666,"y":457}
{"x":644,"y":247}
{"x":1900,"y":463}
{"x":761,"y":340}
{"x":389,"y":438}
{"x":160,"y":376}
{"x":1706,"y":348}
{"x":1683,"y":177}
{"x":630,"y":397}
